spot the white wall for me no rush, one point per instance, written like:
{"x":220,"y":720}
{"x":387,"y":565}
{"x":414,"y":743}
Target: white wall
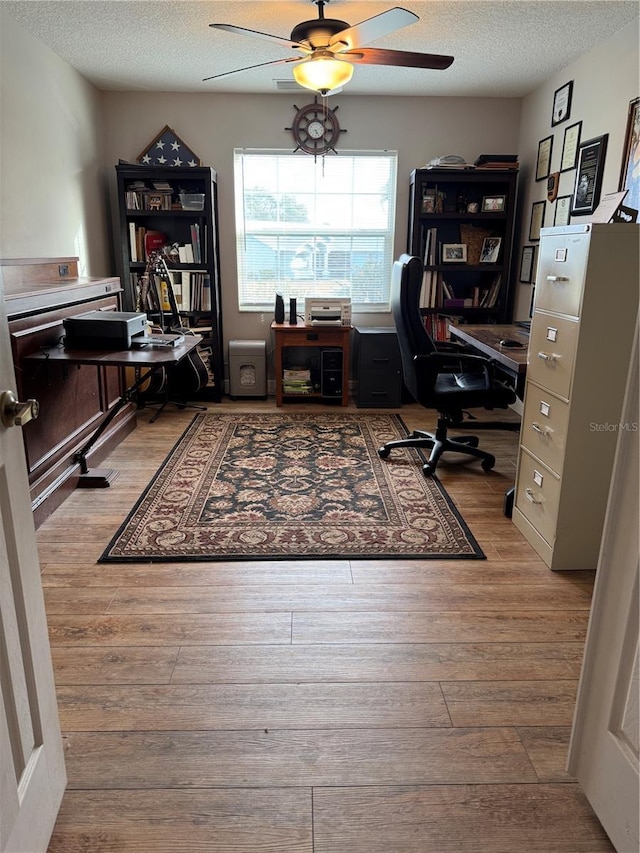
{"x":213,"y":125}
{"x":605,"y":80}
{"x":52,"y":197}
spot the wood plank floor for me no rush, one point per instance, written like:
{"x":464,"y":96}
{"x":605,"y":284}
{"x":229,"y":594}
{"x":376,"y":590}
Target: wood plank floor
{"x":319,"y":706}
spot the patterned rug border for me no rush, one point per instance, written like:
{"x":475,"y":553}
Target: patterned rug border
{"x":477,"y":554}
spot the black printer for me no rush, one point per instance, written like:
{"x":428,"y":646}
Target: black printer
{"x":108,"y":330}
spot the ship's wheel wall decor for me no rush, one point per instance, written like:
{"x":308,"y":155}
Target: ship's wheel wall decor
{"x":315,"y":128}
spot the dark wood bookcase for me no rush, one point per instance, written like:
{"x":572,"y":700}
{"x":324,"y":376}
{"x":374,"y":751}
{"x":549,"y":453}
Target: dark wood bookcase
{"x":453,"y":208}
{"x":179,"y":203}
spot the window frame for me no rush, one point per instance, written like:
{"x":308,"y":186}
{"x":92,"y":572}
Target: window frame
{"x":386,"y":235}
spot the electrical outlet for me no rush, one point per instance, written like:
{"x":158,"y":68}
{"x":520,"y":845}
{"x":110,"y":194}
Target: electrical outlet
{"x":63,"y":269}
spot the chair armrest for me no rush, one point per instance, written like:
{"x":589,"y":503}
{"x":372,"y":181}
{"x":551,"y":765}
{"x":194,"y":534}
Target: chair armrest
{"x":459,"y":358}
{"x":450,"y":346}
{"x":440,"y":362}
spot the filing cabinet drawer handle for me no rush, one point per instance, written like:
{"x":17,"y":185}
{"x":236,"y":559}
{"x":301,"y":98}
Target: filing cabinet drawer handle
{"x":557,"y":278}
{"x":548,"y":356}
{"x":530,"y":496}
{"x":542,"y":430}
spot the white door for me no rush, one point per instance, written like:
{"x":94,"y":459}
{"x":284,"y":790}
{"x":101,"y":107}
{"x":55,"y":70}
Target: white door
{"x":32,"y":774}
{"x":605,"y":739}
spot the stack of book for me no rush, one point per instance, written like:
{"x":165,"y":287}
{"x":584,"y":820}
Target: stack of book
{"x":297,"y":381}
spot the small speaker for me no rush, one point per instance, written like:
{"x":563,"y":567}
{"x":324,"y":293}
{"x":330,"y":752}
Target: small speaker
{"x":293,"y":313}
{"x":279,"y":311}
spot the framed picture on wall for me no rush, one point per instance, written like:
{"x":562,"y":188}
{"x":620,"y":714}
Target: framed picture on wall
{"x":570,"y":147}
{"x":586,"y":192}
{"x":526,"y":264}
{"x":543,"y":163}
{"x":537,"y":220}
{"x":561,"y":104}
{"x":563,"y":210}
{"x":630,"y":172}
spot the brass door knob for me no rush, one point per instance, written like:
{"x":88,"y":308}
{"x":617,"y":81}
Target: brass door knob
{"x":15,"y":413}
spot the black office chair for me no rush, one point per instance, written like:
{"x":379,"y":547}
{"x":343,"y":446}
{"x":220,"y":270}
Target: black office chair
{"x":440,"y":376}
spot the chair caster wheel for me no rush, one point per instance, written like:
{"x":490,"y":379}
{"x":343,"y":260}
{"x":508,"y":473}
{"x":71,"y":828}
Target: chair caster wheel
{"x":383,"y":452}
{"x":487,"y":464}
{"x":428,"y":470}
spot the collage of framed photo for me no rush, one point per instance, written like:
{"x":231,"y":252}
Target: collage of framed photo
{"x":570,"y":158}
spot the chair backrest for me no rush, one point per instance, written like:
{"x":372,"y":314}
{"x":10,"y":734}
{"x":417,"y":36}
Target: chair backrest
{"x":413,"y":339}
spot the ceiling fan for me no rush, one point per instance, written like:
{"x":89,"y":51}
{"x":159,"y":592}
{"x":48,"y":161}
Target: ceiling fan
{"x":327,"y":47}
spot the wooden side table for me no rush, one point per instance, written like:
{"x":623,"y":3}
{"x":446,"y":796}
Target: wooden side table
{"x":320,"y":337}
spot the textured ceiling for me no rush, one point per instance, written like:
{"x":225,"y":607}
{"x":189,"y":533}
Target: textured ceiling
{"x":500,"y":48}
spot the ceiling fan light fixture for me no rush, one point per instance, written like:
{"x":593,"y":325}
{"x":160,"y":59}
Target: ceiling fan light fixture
{"x":323,"y":72}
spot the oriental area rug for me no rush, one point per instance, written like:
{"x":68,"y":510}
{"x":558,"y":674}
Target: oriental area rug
{"x":291,"y":486}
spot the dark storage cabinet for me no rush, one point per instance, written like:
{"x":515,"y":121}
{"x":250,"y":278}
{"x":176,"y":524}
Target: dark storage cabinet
{"x":378,"y":368}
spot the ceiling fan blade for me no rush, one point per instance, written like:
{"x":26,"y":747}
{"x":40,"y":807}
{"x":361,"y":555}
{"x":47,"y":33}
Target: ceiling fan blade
{"x":374,"y":28}
{"x":380,"y":56}
{"x":259,"y":65}
{"x":243,"y":31}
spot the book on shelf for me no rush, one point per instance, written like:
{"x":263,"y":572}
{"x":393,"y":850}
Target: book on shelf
{"x":430,"y":246}
{"x":133,"y":242}
{"x":185,"y":254}
{"x":176,"y":284}
{"x":163,"y":286}
{"x":185,"y":290}
{"x":195,"y":243}
{"x":425,"y":289}
{"x":296,"y":374}
{"x":206,"y":293}
{"x":302,"y":387}
{"x":494,"y":292}
{"x":153,"y":242}
{"x":436,"y":325}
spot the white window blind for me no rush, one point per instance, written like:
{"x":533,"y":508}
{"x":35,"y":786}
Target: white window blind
{"x":312,"y":228}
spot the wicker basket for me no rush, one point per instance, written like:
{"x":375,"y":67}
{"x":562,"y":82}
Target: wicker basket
{"x":473,"y":236}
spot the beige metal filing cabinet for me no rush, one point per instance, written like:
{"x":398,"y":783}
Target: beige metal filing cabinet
{"x":582,"y":330}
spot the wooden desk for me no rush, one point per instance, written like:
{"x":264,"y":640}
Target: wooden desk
{"x":321,"y":337}
{"x":149,"y":357}
{"x":486,"y":340}
{"x":39,"y":295}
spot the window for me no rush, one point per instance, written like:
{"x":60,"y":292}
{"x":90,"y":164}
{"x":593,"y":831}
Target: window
{"x":315,"y":227}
